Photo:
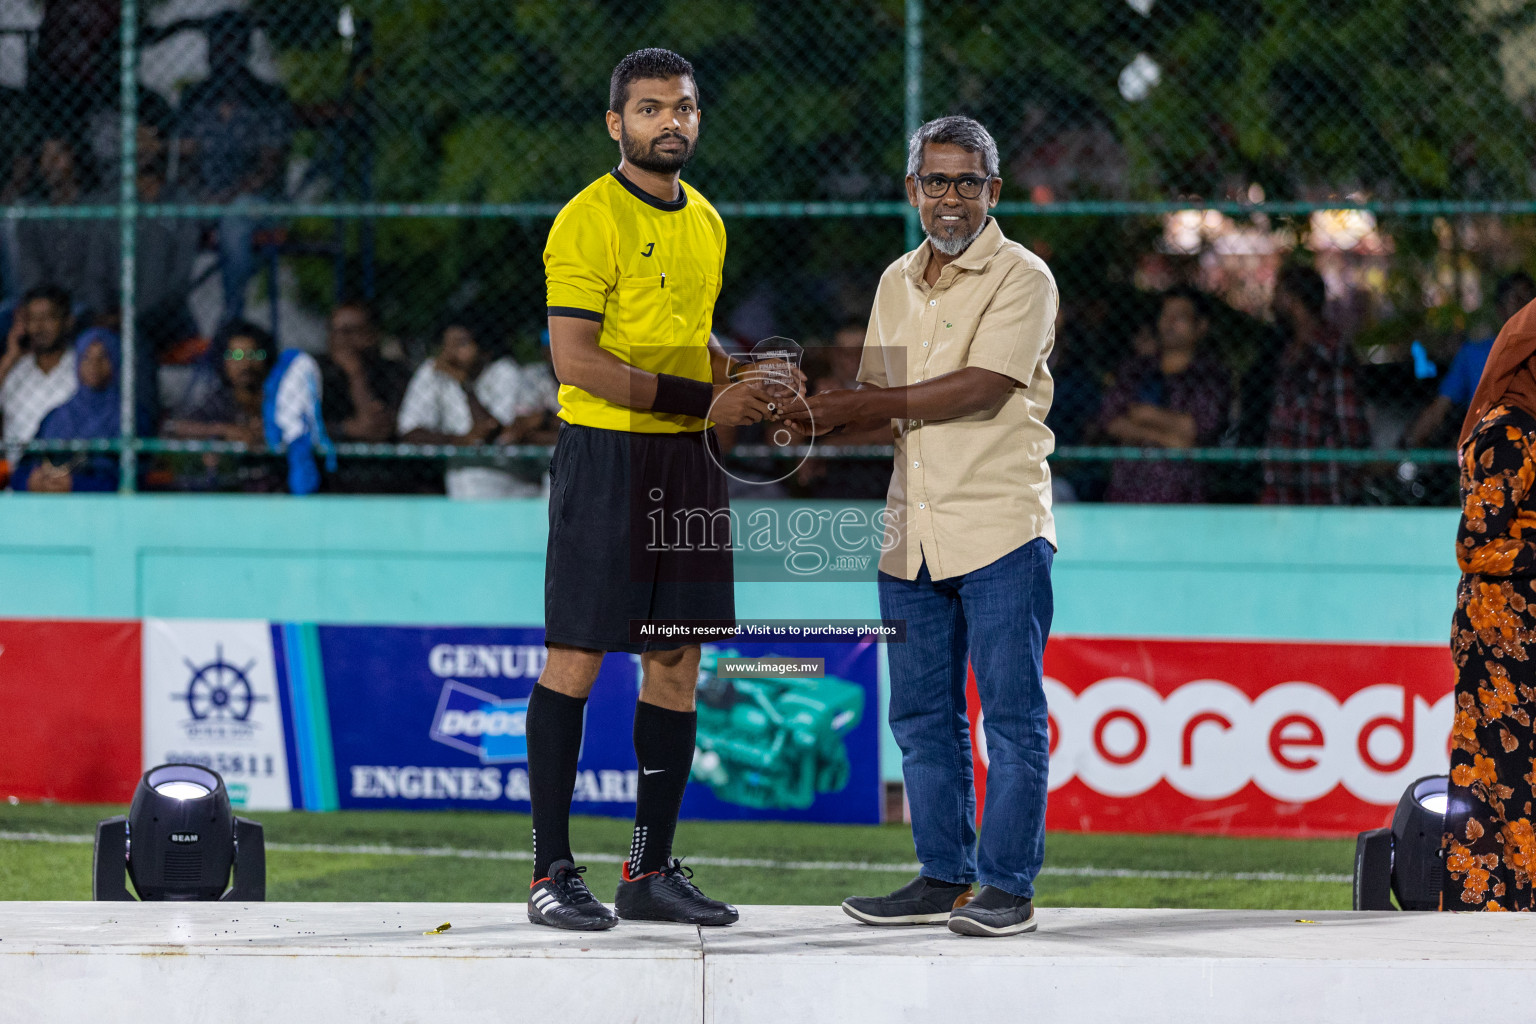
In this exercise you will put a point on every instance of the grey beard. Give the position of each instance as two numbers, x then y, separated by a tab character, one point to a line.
955	246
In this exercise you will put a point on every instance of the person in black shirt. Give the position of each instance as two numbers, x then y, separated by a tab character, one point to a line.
362	389
361	392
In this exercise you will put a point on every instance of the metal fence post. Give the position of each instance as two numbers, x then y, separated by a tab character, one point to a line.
127	214
913	119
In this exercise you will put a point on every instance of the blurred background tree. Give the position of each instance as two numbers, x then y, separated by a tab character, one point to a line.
1190	100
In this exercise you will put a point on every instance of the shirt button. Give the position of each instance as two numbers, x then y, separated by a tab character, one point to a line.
925	344
933	302
922	504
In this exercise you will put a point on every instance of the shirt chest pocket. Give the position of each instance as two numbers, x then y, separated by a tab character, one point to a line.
644	314
674	308
946	347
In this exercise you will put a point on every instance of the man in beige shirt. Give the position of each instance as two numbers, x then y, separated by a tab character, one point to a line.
955	360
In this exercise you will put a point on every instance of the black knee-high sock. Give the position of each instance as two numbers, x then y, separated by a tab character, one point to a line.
554	743
664	748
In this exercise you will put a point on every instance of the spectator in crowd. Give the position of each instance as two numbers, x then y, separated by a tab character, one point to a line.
56	252
1315	403
463	397
1244	481
264	397
1079	390
73	76
15	173
362	389
1074	411
1512	294
846	479
1177	398
1144	341
37	370
166	249
538	401
842	366
237	128
93	412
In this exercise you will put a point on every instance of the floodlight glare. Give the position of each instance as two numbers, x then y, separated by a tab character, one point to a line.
1405	861
181	790
1435	803
180	841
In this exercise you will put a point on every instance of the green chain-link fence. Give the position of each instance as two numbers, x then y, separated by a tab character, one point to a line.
354	177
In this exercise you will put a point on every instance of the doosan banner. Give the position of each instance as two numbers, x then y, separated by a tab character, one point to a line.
449	729
1239	738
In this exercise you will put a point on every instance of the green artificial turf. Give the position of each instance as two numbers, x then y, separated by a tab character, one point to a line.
39	870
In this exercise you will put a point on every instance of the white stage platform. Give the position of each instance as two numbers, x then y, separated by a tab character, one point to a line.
287	963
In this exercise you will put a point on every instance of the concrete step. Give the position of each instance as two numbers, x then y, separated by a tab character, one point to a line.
170	963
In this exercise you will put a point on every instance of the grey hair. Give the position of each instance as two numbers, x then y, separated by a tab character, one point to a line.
955	130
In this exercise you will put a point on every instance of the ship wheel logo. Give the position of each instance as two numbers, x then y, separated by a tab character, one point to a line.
220	691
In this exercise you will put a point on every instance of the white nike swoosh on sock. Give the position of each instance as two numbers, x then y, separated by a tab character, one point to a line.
651	771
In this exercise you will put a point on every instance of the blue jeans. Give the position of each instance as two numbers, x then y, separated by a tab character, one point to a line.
998	618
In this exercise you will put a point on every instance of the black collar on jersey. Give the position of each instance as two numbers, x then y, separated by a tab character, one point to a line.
645	197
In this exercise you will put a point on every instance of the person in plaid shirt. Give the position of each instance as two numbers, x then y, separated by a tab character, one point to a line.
1316	405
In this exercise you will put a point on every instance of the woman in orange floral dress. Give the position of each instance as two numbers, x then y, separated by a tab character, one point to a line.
1489	845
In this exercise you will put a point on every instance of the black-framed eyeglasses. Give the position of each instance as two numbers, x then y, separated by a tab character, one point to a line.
936	186
240	355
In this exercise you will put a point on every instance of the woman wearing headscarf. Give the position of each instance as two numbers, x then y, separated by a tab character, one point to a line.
93	413
262	396
1489	848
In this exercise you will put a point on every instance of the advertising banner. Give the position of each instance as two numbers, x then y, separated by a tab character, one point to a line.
69	707
1236	738
211	697
429	717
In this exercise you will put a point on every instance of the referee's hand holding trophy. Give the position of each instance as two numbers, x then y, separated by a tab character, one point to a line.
763	391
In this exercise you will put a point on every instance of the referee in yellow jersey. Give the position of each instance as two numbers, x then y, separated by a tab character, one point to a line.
633	268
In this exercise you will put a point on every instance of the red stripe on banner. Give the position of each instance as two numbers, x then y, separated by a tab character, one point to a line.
70	710
1236	737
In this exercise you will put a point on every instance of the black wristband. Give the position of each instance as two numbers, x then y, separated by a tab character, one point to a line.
683	395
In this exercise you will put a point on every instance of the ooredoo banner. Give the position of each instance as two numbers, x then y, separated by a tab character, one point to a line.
1241	738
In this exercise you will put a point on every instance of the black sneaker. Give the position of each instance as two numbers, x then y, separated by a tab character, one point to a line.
993	912
920	901
669	895
563	901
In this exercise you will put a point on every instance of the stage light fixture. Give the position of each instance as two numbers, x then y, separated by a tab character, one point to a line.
1405	861
180	841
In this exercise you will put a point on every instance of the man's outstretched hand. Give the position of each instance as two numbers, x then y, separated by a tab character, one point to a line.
825	411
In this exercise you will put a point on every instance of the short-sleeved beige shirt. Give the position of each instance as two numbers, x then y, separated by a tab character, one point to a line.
967	491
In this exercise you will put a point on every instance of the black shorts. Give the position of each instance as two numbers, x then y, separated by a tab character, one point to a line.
639	530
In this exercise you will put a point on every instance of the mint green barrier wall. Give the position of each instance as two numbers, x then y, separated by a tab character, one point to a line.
1312	574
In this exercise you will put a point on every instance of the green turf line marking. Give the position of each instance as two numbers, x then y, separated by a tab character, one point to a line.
1050	870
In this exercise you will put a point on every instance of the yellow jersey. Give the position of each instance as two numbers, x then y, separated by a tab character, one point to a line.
649	271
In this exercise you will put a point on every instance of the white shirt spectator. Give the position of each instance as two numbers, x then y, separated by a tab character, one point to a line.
435	401
29	394
537	391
